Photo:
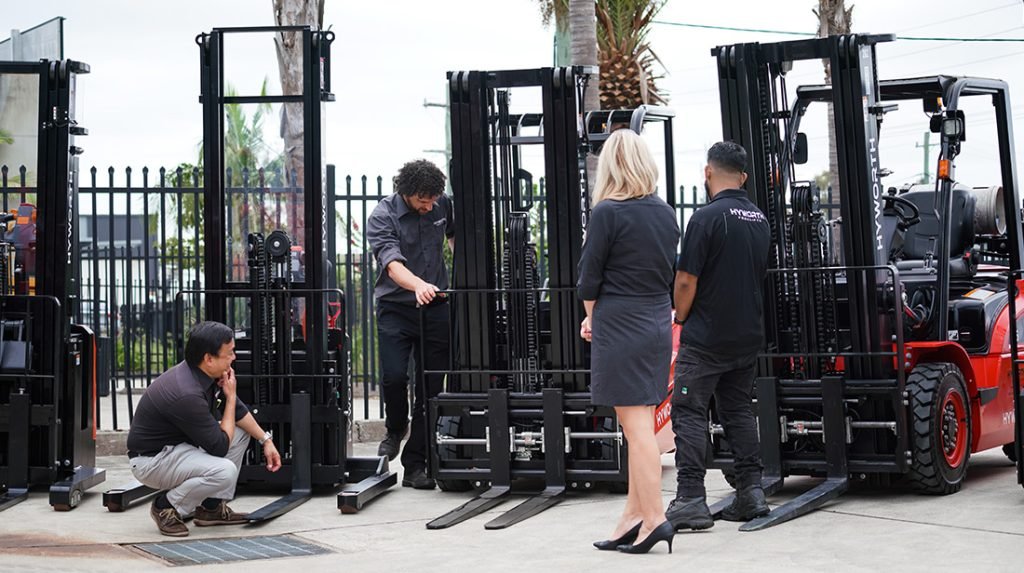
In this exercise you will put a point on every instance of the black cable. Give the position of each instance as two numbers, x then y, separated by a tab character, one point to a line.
811	34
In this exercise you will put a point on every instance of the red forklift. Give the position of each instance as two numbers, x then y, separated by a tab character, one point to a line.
889	345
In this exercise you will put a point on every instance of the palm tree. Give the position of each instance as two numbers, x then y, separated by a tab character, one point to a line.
244	145
558	10
289	62
833	18
583	42
617	30
627	60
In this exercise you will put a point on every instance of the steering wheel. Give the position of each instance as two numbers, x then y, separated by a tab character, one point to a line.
907	212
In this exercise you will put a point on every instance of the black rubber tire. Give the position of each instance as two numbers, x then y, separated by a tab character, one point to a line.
1011	452
927	387
618	487
456	485
449	426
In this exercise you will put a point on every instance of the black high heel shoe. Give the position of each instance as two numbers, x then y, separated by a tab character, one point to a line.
627	537
664	532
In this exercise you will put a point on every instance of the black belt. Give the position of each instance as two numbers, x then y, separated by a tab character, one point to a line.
132	454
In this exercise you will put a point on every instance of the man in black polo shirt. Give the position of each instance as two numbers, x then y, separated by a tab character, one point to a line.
407	232
179	441
718	300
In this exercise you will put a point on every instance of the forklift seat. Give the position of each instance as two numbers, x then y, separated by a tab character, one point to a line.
923	238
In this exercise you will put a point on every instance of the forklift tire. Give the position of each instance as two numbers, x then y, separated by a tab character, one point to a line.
454	485
1011	452
940	419
451	426
618	487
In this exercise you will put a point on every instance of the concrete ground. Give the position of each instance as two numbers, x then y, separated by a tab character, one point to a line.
979	529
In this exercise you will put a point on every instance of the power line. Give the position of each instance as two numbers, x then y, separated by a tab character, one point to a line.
960	17
950	45
729	28
809	34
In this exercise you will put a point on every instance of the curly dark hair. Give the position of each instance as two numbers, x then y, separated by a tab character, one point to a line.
419	177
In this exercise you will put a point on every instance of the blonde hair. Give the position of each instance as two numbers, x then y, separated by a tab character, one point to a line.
625	168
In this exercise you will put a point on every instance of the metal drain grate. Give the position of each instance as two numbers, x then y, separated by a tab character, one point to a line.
204	551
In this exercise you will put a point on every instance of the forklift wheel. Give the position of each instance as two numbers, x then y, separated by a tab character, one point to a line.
1010	451
618	487
940	416
454	485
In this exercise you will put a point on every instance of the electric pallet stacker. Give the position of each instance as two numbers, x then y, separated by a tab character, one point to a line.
516	403
47	363
889	339
292	351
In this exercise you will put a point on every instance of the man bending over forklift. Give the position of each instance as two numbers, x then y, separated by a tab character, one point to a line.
177	443
718	299
407	232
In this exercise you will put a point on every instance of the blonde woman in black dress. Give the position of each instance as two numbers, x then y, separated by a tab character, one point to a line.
625	281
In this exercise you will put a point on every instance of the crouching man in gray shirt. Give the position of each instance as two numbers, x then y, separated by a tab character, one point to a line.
180	442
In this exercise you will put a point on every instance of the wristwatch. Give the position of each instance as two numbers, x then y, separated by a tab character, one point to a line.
676	320
267	436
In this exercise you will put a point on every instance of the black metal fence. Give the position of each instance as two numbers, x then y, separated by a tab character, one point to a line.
141	244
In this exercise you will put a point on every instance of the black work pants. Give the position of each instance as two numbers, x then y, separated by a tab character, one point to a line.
399	336
730	381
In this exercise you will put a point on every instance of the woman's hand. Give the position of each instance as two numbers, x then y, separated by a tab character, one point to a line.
585	329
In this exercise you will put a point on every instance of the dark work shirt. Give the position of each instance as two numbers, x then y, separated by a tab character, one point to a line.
180	406
397	233
629	249
726	247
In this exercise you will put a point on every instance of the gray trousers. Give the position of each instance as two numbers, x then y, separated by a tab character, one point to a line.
190	475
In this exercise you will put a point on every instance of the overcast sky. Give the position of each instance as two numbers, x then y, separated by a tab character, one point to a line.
140	101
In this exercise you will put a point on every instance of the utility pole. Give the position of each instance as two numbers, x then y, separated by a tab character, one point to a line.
447	151
926	176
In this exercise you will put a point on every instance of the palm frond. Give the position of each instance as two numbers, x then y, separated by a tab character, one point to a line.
628	75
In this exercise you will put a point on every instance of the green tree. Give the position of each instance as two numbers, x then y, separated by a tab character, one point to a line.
245	144
557	11
628	76
613	35
246	151
188	215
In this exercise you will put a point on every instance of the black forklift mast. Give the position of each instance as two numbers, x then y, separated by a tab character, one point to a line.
47	363
516	402
756	114
292	356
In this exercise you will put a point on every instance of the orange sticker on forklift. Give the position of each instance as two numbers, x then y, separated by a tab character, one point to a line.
979	294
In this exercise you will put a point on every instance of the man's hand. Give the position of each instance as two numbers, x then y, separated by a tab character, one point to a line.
425	292
271	454
585	329
228	384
